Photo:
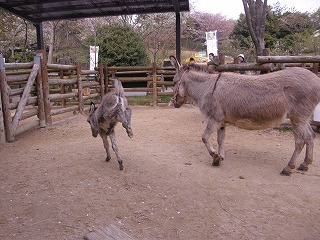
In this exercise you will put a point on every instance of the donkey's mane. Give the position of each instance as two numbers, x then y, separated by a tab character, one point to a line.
196	67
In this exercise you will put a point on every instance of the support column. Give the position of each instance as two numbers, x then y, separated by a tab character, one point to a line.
178	37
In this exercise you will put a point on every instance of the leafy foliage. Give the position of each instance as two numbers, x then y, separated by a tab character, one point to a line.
120	46
287	32
17	38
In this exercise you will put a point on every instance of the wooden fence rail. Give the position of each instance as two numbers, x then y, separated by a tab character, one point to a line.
33	93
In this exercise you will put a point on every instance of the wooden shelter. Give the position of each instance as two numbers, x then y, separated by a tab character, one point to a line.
50	10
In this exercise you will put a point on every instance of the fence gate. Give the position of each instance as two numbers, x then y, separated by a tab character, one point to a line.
9	124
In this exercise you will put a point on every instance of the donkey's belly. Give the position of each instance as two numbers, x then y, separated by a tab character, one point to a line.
108	124
251	124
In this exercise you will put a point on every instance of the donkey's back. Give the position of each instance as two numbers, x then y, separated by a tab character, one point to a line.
263	101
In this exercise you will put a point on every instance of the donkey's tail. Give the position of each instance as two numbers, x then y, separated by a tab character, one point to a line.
118	87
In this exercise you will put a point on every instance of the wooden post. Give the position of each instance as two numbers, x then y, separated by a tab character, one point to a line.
5	103
265	52
45	87
41	112
222	58
154	85
62	90
26	93
79	80
106	83
315	68
2	132
101	78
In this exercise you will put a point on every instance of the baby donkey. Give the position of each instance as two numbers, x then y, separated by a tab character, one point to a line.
103	119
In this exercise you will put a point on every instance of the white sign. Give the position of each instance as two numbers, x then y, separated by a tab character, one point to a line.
94	50
212	43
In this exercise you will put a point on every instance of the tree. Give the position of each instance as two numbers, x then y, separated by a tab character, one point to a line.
157	30
256	13
53	26
17	37
119	45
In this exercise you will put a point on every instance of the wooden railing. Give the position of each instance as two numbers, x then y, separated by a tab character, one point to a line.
33	93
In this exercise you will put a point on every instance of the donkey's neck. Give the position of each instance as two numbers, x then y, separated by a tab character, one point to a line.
198	85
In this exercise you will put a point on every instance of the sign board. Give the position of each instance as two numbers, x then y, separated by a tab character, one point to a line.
212	43
94	50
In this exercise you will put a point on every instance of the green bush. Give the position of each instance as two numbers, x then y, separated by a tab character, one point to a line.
120	46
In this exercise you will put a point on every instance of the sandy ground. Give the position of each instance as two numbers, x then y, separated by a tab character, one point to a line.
55	184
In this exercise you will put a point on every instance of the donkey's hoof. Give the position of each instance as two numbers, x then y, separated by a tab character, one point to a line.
216	163
285	173
121	167
108	159
129	132
302	168
217	160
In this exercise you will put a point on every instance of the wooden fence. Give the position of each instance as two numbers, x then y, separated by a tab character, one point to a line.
33	93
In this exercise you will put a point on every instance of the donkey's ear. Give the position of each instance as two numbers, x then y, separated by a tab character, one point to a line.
174	62
92	108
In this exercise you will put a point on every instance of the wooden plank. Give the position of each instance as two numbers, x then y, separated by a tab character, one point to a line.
79	78
64	110
130	68
111	232
16	79
2	132
101	78
45	87
288	59
245	66
62	96
12	66
154	85
25	95
30	101
61	67
41	111
134	79
27	126
54	81
5	102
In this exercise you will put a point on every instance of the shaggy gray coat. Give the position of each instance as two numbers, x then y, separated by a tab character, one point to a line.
252	102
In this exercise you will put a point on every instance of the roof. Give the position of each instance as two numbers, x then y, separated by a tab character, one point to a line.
38	11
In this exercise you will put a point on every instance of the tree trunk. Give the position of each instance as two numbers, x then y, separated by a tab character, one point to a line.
53	25
256	13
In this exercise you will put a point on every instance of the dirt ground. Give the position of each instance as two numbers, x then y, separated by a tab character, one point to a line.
55	183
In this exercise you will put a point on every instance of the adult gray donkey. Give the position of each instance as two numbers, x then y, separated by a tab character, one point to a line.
103	119
251	102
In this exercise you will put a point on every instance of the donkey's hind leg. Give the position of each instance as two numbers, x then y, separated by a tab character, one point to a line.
299	134
125	118
309	137
205	139
115	148
104	137
127	114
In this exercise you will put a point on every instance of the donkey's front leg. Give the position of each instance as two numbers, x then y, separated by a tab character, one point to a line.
125	118
205	139
115	148
221	132
104	137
